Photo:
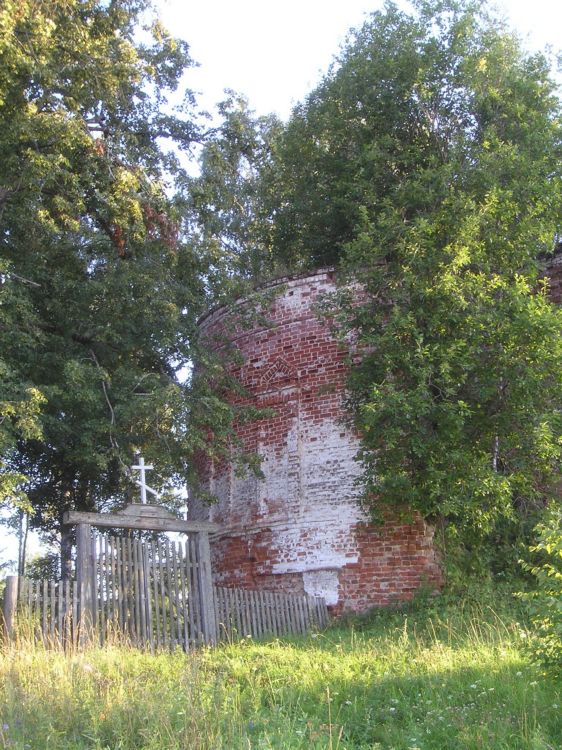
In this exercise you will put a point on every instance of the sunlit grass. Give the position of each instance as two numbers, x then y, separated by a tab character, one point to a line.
440	677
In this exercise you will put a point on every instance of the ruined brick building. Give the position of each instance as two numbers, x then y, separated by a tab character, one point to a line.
300	528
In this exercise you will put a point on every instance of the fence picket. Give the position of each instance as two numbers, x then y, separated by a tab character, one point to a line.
173	593
183	592
162	591
262	613
190	593
194	557
154	595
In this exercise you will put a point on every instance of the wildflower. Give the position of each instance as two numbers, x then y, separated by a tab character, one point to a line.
5	727
392	709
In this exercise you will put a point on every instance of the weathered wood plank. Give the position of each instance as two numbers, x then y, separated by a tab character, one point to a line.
163	601
232	613
183	591
100	586
264	624
280	615
60	615
206	587
75	623
255	615
108	587
10	603
44	601
139	582
120	577
132	598
220	611
84	575
173	577
148	595
155	594
273	609
53	610
137	521
195	590
190	594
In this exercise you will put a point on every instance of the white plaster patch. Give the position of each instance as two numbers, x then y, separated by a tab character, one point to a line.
324	583
328	543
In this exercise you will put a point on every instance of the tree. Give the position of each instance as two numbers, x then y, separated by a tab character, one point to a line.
100	289
228	202
427	166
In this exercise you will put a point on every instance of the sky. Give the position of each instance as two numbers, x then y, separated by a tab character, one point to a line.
275	52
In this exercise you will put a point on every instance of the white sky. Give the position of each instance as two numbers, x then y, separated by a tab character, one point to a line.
275	52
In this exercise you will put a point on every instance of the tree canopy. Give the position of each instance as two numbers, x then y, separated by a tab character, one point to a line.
100	291
426	166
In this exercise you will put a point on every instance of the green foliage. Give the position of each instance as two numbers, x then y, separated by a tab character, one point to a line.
435	105
228	202
19	411
545	603
100	290
427	165
43	567
448	676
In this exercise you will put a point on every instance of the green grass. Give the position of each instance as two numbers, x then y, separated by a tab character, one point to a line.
443	675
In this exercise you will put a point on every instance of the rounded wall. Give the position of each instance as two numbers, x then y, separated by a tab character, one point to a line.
300	528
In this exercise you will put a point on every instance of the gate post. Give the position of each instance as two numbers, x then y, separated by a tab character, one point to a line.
10	603
85	579
208	614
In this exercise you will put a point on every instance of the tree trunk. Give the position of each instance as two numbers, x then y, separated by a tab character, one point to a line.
66	553
23	531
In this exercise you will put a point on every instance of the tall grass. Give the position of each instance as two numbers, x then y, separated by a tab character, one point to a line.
451	675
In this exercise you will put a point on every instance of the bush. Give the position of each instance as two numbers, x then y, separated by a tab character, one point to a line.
545	603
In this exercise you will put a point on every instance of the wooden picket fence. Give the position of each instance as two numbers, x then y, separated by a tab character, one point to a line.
149	596
244	612
45	611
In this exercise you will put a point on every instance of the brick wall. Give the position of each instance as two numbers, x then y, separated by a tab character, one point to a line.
300	529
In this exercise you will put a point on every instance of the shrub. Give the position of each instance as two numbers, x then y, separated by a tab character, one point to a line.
545	602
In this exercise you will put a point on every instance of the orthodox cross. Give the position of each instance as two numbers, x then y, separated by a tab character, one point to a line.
142	468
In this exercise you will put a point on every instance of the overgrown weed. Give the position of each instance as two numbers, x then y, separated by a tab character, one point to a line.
435	675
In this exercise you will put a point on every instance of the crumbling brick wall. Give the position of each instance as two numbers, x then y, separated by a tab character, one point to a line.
301	529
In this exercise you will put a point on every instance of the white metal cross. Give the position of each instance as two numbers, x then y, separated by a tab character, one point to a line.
142	469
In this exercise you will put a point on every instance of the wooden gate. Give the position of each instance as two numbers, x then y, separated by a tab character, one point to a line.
153	594
150	592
